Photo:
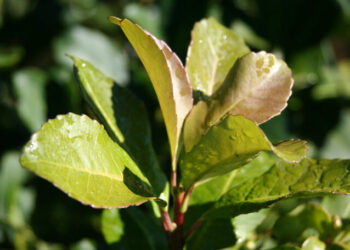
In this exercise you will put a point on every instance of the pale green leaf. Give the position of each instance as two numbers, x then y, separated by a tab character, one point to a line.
112	225
29	85
125	118
284	180
214	49
168	76
229	145
257	87
313	243
77	155
94	47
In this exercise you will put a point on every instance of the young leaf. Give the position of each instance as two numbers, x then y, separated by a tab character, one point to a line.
257	87
229	145
214	49
125	118
168	76
284	180
77	155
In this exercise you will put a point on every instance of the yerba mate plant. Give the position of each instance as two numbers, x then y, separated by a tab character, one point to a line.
212	109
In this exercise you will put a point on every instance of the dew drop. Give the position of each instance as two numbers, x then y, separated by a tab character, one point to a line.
83	64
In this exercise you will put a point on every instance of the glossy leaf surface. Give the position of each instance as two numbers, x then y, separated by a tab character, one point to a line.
125	118
77	155
214	49
257	87
168	76
230	145
284	180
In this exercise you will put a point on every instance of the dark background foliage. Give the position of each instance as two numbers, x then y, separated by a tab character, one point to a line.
37	83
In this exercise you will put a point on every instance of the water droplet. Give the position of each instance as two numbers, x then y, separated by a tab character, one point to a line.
200	41
83	64
225	37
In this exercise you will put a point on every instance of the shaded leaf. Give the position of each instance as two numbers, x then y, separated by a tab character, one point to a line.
214	49
10	56
229	145
29	85
212	235
293	227
125	118
307	178
167	75
119	226
257	87
77	155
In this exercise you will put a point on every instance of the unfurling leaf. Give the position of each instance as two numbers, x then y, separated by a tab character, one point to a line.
77	155
257	87
124	116
229	145
168	76
214	49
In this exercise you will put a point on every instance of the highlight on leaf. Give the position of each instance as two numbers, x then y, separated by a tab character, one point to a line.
77	155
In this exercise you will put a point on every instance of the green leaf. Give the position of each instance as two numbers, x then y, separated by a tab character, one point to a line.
168	76
284	180
229	145
216	234
244	224
313	243
214	49
119	226
125	118
257	87
10	56
94	47
337	204
29	85
77	155
112	225
310	217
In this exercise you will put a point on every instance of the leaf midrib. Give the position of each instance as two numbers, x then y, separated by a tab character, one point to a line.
88	171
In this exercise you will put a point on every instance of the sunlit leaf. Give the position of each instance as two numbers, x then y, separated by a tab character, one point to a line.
257	87
77	155
167	75
313	243
284	180
229	145
125	118
214	49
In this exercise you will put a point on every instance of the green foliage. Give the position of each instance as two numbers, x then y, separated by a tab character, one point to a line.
214	139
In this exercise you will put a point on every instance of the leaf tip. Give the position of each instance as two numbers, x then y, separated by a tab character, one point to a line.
115	20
